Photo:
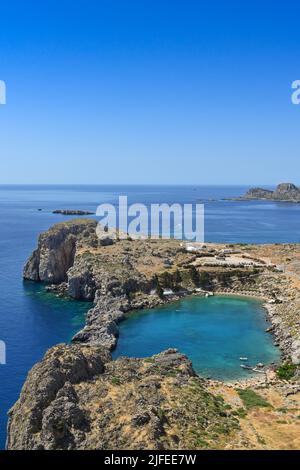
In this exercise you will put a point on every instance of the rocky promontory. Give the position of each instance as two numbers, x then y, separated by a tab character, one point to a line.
78	398
82	260
287	192
56	251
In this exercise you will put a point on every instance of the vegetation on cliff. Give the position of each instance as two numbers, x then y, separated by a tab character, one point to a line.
77	398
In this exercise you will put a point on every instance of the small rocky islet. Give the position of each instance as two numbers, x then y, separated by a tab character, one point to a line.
72	212
284	192
77	397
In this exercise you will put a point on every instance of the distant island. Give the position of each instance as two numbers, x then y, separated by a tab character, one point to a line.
72	212
286	192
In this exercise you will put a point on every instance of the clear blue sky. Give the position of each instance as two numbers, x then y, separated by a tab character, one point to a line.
149	91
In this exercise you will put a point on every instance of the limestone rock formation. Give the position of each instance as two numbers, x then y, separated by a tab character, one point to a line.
258	193
77	398
283	192
48	405
287	190
56	250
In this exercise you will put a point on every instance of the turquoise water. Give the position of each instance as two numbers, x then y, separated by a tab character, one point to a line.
214	332
32	321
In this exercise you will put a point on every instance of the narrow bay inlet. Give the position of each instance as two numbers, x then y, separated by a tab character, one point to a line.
178	399
223	336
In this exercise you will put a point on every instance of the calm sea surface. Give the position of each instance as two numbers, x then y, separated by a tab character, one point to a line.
214	332
31	321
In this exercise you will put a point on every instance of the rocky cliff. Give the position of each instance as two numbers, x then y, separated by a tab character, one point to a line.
77	398
56	250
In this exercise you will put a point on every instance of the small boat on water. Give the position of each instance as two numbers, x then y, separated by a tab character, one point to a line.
257	368
243	358
244	366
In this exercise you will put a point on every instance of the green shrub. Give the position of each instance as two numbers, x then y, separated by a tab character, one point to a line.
194	275
166	280
286	371
251	399
161	414
159	291
203	279
177	278
240	412
115	381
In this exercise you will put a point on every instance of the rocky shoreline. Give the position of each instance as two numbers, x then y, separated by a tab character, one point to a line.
57	407
102	321
74	259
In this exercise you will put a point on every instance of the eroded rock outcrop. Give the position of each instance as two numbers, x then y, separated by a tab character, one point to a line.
56	250
102	322
283	192
258	193
77	398
48	409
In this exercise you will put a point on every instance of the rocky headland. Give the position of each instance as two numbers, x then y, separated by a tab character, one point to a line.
77	397
285	192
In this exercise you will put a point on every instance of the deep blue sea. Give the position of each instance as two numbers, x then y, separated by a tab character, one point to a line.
214	332
31	321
